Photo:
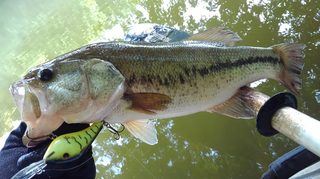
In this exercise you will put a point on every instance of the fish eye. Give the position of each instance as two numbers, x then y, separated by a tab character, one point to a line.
45	75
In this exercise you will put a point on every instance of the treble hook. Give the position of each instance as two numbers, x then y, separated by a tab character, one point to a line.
113	130
39	139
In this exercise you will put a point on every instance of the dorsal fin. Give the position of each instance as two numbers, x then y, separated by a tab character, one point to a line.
217	34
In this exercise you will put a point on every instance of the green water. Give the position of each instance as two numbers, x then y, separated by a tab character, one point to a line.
202	145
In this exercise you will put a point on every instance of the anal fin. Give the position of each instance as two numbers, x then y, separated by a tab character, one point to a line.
147	103
241	105
143	129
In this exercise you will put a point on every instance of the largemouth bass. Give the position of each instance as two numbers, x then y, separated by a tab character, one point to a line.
132	82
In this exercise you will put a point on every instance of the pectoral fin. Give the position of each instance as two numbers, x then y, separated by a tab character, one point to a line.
147	103
217	34
241	105
143	129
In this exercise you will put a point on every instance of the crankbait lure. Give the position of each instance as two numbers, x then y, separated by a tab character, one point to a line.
66	148
69	147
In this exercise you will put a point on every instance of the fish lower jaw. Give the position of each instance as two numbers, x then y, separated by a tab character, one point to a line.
38	130
29	142
31	139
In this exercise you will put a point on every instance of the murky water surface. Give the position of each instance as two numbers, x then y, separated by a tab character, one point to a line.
202	145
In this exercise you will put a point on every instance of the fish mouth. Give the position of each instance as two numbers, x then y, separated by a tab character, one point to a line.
35	111
17	91
26	101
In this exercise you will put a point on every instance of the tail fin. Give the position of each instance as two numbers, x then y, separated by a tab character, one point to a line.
291	53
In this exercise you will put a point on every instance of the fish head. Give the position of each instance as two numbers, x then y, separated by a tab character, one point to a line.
70	90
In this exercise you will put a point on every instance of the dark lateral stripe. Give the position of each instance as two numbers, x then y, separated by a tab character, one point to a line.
159	80
203	71
192	70
150	80
216	67
132	79
181	79
252	60
186	71
143	79
166	82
